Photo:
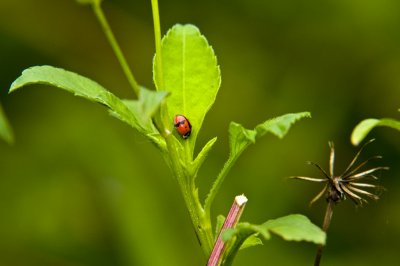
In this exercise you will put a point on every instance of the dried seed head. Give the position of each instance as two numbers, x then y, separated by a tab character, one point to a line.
346	185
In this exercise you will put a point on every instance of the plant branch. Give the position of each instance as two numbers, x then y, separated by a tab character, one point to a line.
218	183
157	38
115	46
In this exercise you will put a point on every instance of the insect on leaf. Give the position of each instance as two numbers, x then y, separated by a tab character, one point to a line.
190	72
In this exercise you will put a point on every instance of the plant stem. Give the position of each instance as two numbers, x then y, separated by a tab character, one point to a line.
115	46
202	226
230	222
217	184
157	38
325	226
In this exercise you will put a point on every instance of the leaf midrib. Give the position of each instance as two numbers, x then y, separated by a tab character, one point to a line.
184	72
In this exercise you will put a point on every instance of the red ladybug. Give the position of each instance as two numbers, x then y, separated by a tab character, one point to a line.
182	126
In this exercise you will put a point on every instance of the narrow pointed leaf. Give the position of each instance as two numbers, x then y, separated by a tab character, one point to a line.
365	126
190	72
5	129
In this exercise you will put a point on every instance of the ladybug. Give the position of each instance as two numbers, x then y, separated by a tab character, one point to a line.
182	126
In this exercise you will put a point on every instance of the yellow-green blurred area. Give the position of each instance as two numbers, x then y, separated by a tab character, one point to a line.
80	188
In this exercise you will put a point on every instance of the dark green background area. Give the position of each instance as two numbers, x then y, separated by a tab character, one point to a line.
81	188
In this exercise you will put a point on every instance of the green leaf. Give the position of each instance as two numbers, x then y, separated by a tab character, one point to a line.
251	241
240	138
135	113
144	108
365	126
190	72
219	224
5	129
279	126
294	227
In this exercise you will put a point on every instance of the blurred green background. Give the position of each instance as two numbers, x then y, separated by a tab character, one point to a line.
81	188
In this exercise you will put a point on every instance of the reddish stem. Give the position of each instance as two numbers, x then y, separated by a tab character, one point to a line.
230	222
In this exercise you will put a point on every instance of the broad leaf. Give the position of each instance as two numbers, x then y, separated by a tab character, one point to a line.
190	72
293	227
5	129
240	138
365	126
135	113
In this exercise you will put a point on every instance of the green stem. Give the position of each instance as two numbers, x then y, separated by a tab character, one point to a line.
217	184
202	226
115	46
157	38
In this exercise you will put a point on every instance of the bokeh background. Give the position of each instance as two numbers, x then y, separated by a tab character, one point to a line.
81	188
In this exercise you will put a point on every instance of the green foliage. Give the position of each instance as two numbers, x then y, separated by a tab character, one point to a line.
365	126
5	129
136	113
190	72
86	2
185	69
240	138
294	227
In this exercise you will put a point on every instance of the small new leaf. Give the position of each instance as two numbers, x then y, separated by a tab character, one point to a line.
190	72
365	126
251	241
